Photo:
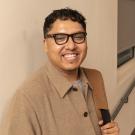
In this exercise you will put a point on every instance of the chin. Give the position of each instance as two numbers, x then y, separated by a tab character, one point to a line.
71	67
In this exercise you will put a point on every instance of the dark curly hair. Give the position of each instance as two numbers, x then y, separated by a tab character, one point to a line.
63	14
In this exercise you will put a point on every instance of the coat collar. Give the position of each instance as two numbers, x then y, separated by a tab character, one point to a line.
60	82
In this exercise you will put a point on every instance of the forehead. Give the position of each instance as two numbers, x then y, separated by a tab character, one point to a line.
65	26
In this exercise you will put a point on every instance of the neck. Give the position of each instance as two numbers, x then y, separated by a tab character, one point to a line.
71	75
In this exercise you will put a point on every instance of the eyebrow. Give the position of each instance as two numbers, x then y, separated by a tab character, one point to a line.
66	33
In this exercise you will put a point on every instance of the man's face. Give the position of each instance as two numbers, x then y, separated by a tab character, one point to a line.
70	55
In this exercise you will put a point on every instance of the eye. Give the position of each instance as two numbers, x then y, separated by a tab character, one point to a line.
60	37
79	36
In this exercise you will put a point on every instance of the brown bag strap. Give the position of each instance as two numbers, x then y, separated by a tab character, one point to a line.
99	96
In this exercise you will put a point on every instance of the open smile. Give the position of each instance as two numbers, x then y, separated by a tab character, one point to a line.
70	56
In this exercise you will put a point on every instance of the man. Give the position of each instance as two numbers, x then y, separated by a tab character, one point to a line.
61	98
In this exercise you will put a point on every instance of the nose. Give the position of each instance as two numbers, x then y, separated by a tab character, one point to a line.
70	44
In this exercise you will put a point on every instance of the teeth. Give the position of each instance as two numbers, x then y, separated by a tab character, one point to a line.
70	55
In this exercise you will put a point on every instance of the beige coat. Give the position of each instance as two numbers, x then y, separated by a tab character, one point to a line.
47	104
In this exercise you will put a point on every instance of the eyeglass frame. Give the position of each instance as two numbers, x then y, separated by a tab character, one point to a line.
68	35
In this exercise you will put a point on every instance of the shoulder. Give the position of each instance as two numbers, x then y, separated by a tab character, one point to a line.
25	105
91	72
35	80
95	77
34	87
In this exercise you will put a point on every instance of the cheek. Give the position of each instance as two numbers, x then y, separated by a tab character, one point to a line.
54	51
51	46
84	49
84	52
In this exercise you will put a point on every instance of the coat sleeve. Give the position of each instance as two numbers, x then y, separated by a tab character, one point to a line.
21	118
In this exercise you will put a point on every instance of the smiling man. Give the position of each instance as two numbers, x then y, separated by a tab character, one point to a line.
66	46
62	98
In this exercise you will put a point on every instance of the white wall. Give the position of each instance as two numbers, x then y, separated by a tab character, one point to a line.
103	43
20	44
21	41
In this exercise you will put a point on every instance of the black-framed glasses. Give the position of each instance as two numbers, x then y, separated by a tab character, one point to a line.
62	38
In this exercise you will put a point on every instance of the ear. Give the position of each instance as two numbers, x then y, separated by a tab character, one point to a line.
45	45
